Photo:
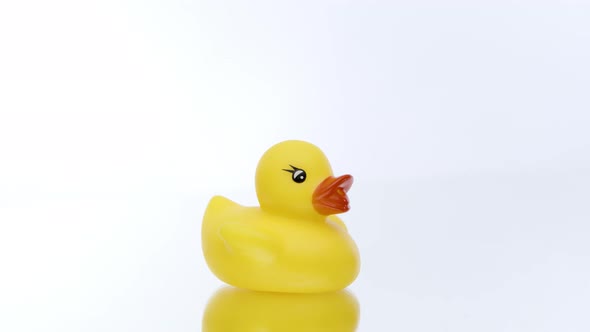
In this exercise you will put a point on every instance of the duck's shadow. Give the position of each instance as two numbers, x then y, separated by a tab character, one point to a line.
232	309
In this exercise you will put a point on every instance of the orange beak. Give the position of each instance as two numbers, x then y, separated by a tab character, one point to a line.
330	196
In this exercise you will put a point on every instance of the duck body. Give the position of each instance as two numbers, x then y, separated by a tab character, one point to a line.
249	248
293	242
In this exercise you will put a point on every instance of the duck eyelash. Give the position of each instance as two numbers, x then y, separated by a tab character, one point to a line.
291	170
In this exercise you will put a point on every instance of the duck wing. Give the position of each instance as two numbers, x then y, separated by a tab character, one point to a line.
241	236
249	242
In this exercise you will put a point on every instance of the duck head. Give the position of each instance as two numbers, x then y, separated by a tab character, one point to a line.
294	178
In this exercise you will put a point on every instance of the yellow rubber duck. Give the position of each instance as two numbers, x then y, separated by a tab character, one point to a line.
237	310
293	242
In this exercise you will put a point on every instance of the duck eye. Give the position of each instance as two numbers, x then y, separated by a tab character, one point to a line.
299	176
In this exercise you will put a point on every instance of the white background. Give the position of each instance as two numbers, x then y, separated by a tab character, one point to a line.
465	124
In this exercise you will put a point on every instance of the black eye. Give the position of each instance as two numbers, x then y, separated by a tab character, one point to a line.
297	174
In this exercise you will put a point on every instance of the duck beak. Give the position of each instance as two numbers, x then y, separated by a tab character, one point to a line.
330	196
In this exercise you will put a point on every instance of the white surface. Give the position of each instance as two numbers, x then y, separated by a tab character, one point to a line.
465	126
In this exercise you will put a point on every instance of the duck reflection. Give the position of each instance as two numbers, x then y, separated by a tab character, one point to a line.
232	309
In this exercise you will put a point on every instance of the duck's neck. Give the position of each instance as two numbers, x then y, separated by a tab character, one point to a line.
299	217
